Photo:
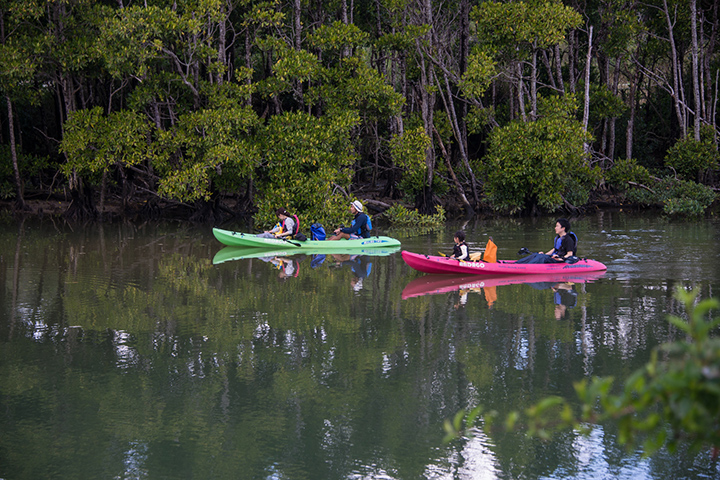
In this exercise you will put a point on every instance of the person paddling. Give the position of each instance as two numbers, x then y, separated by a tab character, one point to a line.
564	246
358	228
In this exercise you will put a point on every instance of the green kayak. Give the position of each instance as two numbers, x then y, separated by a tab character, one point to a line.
229	254
237	239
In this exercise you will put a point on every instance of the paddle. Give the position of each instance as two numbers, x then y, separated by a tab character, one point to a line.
443	255
290	242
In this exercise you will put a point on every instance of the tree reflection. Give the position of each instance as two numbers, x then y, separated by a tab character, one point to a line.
130	354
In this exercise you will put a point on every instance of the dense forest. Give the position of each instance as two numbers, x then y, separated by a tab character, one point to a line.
221	108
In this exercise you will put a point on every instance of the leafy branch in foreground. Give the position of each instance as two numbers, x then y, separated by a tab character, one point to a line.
667	402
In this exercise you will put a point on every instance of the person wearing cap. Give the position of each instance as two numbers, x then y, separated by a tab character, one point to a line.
359	226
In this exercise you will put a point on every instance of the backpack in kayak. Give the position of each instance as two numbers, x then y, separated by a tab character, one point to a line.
317	232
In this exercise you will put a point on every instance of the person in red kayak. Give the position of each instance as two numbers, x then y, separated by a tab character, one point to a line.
460	250
565	243
564	246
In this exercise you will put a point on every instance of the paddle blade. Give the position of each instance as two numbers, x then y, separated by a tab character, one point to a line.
490	255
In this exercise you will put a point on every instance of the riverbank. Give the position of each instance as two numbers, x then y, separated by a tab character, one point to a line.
228	207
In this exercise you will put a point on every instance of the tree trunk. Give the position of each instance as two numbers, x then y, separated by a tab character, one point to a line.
676	69
297	24
632	101
613	120
469	209
520	94
82	207
222	33
695	69
425	202
586	109
572	51
533	85
19	199
558	69
427	106
707	61
459	136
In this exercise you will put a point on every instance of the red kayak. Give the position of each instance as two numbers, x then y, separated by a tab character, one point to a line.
436	284
432	264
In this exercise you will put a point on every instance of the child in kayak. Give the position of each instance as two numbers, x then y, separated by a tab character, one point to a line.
460	250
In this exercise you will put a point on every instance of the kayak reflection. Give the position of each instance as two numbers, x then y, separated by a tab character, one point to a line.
288	263
562	285
228	254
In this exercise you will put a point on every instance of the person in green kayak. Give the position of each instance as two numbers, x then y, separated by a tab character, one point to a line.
359	228
285	228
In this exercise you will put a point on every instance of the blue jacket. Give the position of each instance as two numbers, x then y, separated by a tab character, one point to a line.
359	226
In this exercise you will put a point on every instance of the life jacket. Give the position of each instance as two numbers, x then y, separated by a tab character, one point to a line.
457	251
365	230
558	242
296	228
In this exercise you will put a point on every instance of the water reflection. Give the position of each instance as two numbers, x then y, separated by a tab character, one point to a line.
359	265
562	286
286	266
129	352
229	254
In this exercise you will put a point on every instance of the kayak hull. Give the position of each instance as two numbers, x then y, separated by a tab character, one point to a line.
438	284
237	239
445	265
228	254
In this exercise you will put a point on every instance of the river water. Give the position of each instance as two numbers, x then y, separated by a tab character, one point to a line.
126	352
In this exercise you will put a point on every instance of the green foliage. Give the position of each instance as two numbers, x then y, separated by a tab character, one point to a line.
539	161
479	74
627	170
94	142
673	400
408	152
603	103
691	159
337	36
678	197
478	119
296	65
399	215
213	144
681	391
538	22
306	165
353	85
29	165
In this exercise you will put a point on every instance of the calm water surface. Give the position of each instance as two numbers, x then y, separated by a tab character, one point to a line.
127	353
